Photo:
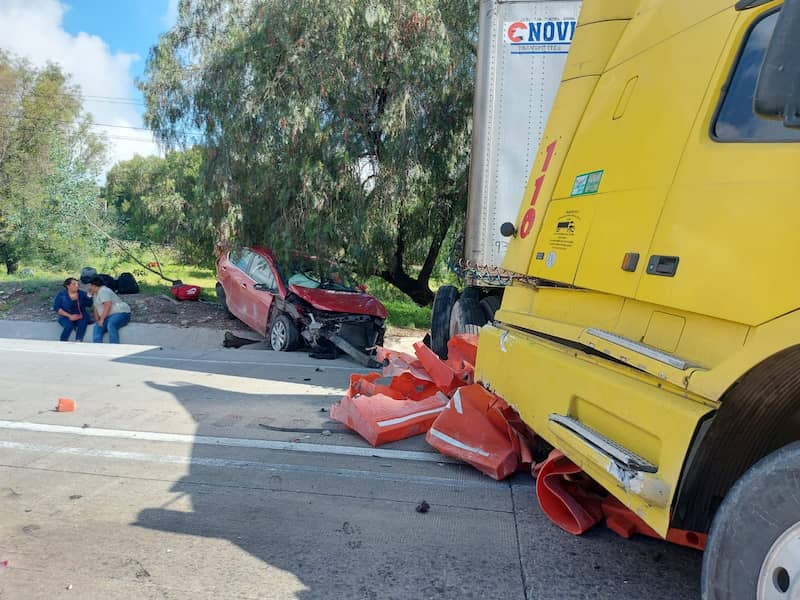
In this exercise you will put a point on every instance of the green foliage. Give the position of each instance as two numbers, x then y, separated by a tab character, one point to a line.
49	162
407	314
340	128
159	200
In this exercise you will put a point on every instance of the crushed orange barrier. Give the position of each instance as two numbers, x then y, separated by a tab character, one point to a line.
571	500
625	523
473	429
65	405
380	419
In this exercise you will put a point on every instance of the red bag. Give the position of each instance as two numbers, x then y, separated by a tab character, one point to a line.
186	292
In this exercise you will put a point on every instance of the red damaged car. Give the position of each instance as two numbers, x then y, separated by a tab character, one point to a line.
311	302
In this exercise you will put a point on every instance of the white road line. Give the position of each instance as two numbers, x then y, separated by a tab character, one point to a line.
250	464
228	442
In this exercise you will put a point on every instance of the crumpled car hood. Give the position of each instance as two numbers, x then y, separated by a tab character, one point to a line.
342	302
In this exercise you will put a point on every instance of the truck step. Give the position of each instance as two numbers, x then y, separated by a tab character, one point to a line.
622	456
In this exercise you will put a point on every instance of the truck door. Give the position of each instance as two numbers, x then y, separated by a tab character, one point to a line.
725	244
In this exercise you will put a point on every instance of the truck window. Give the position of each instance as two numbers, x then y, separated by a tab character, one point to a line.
736	120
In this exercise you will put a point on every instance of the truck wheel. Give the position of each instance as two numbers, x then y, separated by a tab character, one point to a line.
489	305
753	548
446	296
466	317
283	335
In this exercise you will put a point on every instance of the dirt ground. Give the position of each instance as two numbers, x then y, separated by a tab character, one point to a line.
24	301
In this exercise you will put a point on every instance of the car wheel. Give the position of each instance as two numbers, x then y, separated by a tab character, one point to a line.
221	297
283	335
753	548
443	302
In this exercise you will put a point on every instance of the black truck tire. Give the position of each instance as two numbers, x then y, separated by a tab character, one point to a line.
489	305
753	548
446	296
466	316
283	334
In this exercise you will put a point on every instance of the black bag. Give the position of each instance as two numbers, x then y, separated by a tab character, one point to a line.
108	281
126	284
87	274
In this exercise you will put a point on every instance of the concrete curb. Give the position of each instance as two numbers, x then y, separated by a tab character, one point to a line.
165	336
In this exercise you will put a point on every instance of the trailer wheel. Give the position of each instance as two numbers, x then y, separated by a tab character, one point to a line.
753	548
446	296
283	335
489	305
466	316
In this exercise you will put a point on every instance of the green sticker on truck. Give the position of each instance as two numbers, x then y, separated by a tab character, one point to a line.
587	183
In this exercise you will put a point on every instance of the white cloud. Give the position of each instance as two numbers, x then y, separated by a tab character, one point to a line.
33	29
169	19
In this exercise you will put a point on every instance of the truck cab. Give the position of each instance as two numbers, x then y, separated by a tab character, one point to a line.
654	333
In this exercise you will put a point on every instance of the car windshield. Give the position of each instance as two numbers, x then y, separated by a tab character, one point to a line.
310	272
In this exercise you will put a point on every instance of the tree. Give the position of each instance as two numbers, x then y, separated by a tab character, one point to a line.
49	163
337	127
158	200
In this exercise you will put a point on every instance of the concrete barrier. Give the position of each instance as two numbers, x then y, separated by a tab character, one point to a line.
166	336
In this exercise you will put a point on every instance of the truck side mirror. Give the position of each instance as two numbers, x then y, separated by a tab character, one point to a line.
508	230
777	93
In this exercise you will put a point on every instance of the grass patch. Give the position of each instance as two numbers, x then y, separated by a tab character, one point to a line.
407	314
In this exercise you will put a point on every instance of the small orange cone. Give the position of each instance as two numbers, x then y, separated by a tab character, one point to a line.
65	405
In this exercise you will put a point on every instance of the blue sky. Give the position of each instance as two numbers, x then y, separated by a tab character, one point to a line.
103	46
127	26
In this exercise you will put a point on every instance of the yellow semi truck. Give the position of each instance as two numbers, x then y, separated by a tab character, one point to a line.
654	333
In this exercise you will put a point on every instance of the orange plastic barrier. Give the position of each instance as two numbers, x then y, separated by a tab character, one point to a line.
571	500
380	419
473	429
65	405
625	523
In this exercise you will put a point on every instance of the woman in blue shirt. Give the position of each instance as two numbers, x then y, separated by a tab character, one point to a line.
70	304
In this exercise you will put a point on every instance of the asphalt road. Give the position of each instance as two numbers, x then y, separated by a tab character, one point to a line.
165	483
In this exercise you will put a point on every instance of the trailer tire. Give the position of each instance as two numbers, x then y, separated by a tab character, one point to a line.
446	296
753	548
466	317
489	305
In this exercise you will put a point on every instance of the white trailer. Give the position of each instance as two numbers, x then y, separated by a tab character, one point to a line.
522	48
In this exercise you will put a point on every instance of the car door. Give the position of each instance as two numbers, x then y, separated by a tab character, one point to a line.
232	274
257	301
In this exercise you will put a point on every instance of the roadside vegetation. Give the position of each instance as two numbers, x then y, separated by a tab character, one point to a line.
345	136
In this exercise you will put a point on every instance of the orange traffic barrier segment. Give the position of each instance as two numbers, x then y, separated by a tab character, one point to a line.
625	523
65	405
472	428
571	500
380	419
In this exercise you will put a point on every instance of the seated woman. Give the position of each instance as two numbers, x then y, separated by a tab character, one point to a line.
71	305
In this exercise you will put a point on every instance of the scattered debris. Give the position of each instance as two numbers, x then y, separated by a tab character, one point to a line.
65	405
75	497
318	370
69	587
321	430
323	410
306	378
423	507
85	426
326	432
235	341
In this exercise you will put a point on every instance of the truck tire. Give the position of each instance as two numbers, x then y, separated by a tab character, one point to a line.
753	548
446	296
489	305
466	317
283	334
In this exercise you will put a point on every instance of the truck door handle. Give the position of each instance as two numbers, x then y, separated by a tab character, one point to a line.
665	266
